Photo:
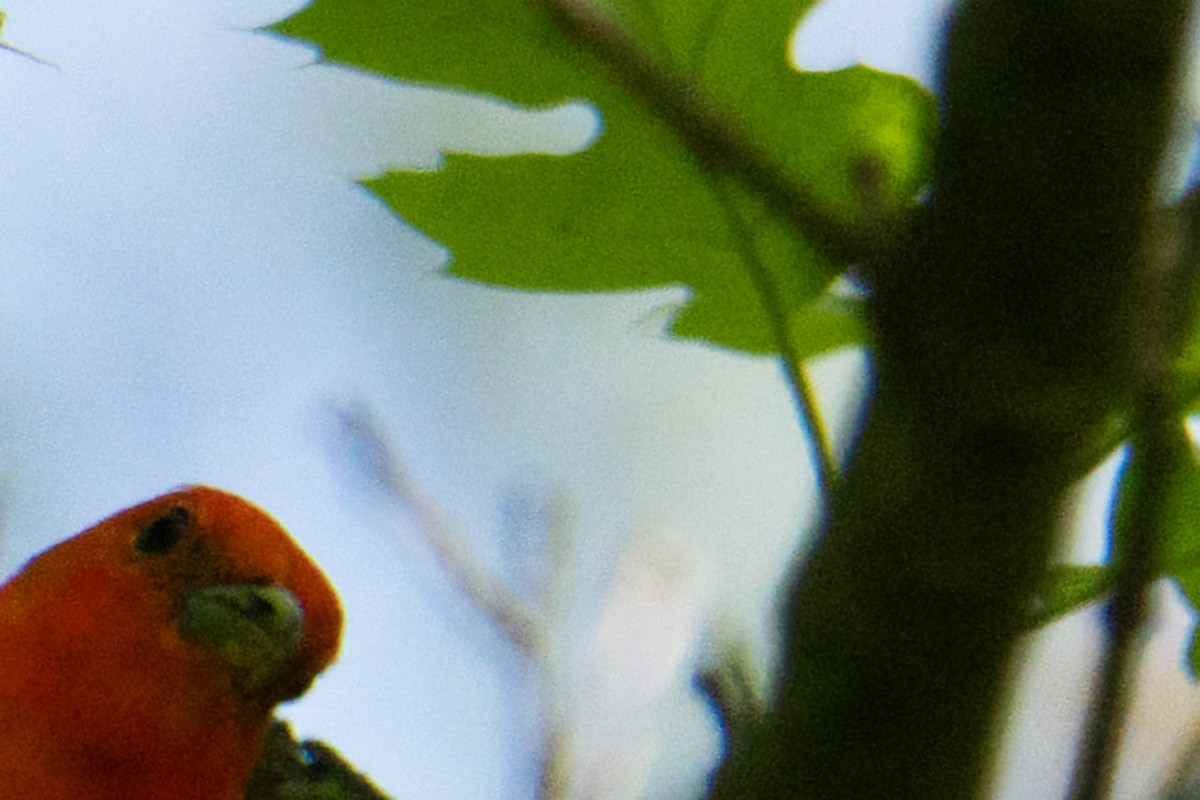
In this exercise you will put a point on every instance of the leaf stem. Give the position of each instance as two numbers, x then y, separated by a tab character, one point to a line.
771	299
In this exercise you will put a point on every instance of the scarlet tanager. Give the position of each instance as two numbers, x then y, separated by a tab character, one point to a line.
141	659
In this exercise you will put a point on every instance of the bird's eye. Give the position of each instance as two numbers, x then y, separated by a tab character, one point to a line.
162	534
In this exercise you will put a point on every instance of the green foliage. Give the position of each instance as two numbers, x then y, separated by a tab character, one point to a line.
1070	587
289	769
1180	555
639	208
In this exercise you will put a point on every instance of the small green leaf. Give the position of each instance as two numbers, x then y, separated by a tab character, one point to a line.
829	323
1179	545
1181	541
1067	588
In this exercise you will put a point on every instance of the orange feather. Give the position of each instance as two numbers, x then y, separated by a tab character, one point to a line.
142	658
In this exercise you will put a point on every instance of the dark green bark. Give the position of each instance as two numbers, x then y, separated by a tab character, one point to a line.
1003	337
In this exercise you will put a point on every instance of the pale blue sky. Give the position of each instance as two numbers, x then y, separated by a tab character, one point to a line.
187	277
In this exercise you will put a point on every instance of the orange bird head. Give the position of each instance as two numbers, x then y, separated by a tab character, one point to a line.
142	658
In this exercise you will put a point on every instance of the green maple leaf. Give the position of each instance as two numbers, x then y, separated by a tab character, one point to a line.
637	209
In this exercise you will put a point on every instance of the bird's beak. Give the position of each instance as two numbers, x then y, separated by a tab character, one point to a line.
254	629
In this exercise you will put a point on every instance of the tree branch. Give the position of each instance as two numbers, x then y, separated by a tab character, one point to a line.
1002	346
512	617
